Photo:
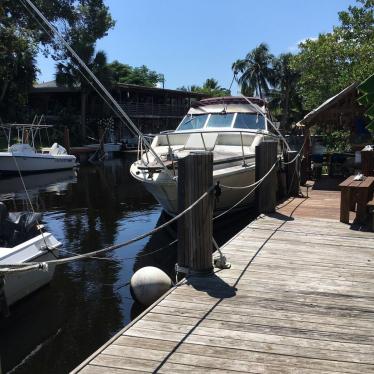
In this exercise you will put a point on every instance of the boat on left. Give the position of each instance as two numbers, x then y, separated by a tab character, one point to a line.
23	240
23	156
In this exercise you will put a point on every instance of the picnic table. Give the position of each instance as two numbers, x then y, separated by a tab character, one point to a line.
355	193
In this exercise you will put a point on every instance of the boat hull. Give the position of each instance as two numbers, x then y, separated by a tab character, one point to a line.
165	190
19	285
35	163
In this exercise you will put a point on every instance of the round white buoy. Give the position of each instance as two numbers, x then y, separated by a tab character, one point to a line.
148	284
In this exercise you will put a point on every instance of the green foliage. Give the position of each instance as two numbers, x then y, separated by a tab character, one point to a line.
256	71
335	60
142	76
20	39
367	99
210	88
91	22
338	141
285	102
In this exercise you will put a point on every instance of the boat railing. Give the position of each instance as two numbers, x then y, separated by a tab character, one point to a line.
206	138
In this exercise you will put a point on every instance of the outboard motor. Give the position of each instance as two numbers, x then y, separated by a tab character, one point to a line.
16	228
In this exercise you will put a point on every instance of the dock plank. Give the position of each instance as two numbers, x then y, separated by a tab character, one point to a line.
299	298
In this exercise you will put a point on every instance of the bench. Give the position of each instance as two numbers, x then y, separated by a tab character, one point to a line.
355	193
370	206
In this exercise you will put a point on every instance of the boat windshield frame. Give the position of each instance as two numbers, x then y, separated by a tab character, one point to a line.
230	127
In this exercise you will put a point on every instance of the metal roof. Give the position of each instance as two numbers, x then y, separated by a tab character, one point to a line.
327	104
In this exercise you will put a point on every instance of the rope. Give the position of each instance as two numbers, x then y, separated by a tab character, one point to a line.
298	154
30	202
248	194
44	265
250	185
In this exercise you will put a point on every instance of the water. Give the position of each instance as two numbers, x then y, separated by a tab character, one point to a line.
88	301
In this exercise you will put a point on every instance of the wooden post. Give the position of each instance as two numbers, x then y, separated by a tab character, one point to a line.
67	140
195	228
367	163
292	171
266	156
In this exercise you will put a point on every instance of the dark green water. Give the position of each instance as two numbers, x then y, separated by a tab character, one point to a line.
87	302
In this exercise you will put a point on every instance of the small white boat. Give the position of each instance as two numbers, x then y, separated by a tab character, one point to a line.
21	241
229	127
23	157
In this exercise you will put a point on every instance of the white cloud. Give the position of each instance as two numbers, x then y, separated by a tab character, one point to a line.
294	48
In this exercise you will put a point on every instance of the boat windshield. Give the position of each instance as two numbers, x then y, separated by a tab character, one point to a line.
220	120
193	122
249	121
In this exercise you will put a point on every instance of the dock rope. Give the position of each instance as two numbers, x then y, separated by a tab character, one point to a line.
14	268
254	185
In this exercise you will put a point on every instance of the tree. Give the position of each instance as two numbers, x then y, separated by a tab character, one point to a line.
335	60
210	88
285	101
142	76
256	71
92	22
21	37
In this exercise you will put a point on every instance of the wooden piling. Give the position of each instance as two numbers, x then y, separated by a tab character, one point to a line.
195	228
266	156
67	140
292	172
367	163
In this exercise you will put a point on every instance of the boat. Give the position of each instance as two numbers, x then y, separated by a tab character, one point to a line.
22	240
24	157
230	127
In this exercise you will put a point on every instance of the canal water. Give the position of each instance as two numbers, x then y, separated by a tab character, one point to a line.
88	301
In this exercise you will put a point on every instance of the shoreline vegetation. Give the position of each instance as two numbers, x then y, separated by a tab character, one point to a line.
292	83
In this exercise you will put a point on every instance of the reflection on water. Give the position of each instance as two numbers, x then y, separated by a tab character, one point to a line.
57	327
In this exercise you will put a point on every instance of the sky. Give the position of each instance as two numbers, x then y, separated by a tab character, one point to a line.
190	41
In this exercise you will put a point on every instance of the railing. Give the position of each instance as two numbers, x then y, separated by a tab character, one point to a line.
149	109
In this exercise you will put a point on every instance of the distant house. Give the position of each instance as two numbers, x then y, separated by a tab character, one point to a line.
152	109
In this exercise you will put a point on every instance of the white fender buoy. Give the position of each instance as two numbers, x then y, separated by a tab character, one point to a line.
148	284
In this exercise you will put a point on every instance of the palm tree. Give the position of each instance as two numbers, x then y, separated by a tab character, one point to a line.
285	99
70	74
256	71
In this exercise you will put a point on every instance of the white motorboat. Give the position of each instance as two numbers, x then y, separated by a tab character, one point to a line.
24	157
230	127
21	241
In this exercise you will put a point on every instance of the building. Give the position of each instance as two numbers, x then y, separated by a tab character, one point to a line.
151	109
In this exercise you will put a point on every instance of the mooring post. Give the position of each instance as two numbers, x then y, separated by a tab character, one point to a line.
195	228
67	140
266	157
4	310
292	171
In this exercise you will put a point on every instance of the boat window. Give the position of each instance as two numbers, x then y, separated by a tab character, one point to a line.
220	120
193	122
250	121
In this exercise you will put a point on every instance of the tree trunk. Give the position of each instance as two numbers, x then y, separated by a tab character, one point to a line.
3	90
259	87
83	115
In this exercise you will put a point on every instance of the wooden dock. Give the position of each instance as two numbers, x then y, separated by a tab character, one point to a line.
299	298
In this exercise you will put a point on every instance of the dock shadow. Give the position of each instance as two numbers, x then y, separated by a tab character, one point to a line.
280	216
213	285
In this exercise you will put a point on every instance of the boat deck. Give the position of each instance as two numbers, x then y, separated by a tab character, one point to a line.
299	298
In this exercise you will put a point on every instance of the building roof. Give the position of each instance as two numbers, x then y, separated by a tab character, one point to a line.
52	87
336	105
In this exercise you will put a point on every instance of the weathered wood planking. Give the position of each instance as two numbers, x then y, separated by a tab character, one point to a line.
299	298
